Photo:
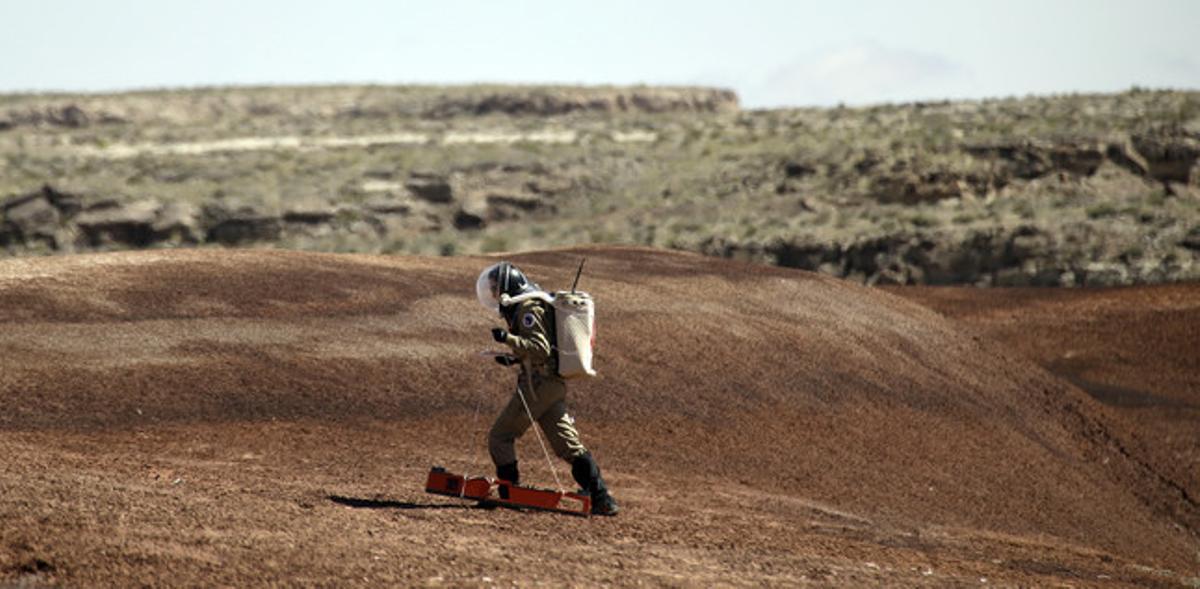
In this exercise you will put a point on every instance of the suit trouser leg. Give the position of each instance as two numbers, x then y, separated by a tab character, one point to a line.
548	405
559	428
509	425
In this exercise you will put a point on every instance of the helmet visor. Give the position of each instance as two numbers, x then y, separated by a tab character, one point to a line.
487	290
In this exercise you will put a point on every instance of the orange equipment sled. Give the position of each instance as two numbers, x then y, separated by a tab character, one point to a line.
488	491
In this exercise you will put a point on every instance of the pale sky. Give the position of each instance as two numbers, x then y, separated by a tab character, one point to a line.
772	52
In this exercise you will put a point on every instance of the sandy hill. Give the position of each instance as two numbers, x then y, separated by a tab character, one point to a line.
1133	349
213	416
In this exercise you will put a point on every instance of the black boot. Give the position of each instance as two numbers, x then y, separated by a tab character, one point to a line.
508	472
587	474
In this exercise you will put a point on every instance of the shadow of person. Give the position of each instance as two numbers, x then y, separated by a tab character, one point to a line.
359	503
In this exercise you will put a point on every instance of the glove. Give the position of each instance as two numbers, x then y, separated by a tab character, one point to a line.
506	360
499	334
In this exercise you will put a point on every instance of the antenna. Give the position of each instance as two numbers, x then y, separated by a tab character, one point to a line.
577	273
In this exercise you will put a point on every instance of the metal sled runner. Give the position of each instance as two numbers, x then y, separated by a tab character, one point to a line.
488	491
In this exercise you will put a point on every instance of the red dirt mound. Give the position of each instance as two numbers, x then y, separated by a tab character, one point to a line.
1136	350
236	416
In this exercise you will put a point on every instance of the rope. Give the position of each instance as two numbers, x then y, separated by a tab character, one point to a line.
471	445
536	430
532	424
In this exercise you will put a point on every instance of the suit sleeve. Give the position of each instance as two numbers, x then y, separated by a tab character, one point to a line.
530	341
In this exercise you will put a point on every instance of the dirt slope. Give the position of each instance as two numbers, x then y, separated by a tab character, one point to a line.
215	416
1136	350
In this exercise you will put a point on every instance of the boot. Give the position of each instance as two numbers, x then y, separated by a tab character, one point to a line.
587	474
508	472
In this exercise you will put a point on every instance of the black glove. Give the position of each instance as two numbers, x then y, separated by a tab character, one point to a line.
499	334
506	360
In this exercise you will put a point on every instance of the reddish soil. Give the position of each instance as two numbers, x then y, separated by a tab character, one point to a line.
212	417
1135	350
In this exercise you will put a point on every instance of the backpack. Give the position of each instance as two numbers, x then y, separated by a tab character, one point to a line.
572	327
575	333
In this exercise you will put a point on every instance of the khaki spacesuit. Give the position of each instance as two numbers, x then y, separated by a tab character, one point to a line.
543	390
530	338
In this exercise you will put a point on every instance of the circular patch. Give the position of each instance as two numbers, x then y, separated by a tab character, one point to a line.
527	320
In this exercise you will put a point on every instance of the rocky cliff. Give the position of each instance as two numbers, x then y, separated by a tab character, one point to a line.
1065	190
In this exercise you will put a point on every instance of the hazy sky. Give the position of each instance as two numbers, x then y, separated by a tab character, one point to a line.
773	52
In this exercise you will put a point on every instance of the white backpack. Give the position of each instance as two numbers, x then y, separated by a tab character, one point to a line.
575	325
574	318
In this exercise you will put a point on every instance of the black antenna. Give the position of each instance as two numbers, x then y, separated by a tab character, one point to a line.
577	273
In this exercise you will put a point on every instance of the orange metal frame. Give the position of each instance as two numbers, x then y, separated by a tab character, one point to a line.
505	494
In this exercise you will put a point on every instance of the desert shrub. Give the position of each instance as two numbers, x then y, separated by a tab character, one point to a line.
494	243
603	235
925	220
1101	211
1132	252
394	246
702	172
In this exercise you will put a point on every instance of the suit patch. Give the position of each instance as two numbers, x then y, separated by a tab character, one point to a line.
527	320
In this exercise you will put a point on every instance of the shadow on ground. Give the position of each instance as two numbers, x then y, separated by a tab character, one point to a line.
359	503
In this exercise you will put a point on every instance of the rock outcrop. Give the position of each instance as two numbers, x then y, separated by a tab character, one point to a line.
241	224
906	186
68	115
430	188
1074	189
31	218
1027	160
37	218
1170	153
468	200
1024	255
552	102
64	221
113	223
